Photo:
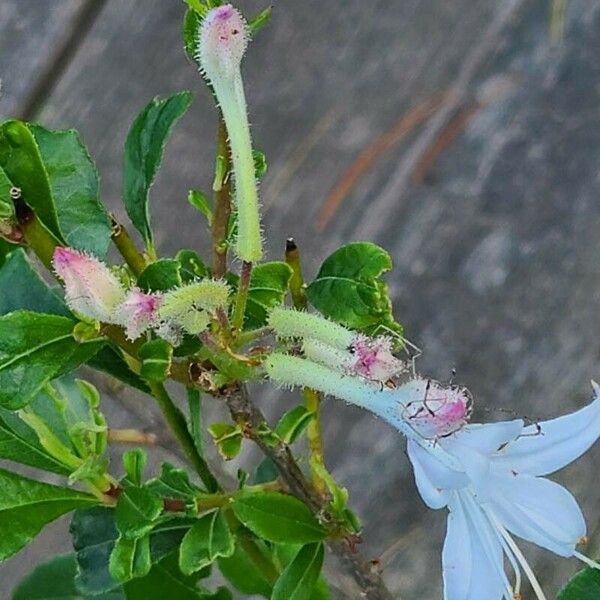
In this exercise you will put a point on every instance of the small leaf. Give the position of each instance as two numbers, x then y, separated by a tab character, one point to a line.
192	266
50	580
256	23
277	518
191	26
26	506
137	511
202	204
156	356
143	154
130	558
228	439
163	274
134	463
260	163
298	580
265	472
242	572
584	586
173	483
34	349
348	288
293	423
208	539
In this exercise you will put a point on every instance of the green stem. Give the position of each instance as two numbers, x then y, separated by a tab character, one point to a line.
127	248
38	238
261	562
239	310
178	425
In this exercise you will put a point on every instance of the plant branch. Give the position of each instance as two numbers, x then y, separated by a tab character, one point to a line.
178	425
244	411
292	258
222	203
126	247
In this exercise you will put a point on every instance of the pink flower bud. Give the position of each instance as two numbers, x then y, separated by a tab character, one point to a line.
372	359
442	411
138	313
90	287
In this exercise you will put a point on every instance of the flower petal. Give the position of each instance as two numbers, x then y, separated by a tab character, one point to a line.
472	560
539	511
560	442
485	438
433	479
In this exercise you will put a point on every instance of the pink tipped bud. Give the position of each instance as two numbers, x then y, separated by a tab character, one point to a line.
223	41
90	287
138	313
372	359
442	411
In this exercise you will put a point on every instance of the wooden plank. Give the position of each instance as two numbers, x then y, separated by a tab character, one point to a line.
496	261
30	31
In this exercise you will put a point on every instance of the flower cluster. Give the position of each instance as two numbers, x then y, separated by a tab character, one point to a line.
489	476
94	292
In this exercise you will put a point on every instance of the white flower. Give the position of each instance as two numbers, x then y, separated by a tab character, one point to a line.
491	479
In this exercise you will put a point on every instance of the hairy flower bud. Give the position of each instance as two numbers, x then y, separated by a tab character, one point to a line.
192	306
138	312
91	289
223	38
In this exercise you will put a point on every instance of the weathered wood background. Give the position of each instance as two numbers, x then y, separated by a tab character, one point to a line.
490	207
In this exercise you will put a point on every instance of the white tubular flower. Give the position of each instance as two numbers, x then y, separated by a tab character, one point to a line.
90	288
138	313
499	491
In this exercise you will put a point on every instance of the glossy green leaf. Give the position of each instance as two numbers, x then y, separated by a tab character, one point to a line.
173	483
73	180
156	356
201	203
242	572
163	274
278	518
192	266
23	289
19	443
134	463
34	349
143	154
293	423
6	250
228	439
298	580
26	506
584	586
137	511
260	163
130	558
348	288
207	540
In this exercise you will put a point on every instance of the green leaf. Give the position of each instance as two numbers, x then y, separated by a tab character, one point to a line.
208	539
260	163
137	511
298	580
293	423
134	463
130	558
242	572
94	536
228	439
5	250
156	356
73	183
7	207
50	580
34	349
265	472
143	154
21	160
26	506
191	25
201	203
256	23
160	275
268	286
110	360
173	483
194	399
23	289
348	288
192	266
277	518
19	443
584	586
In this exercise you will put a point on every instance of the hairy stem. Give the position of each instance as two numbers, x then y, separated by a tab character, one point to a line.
178	425
222	203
